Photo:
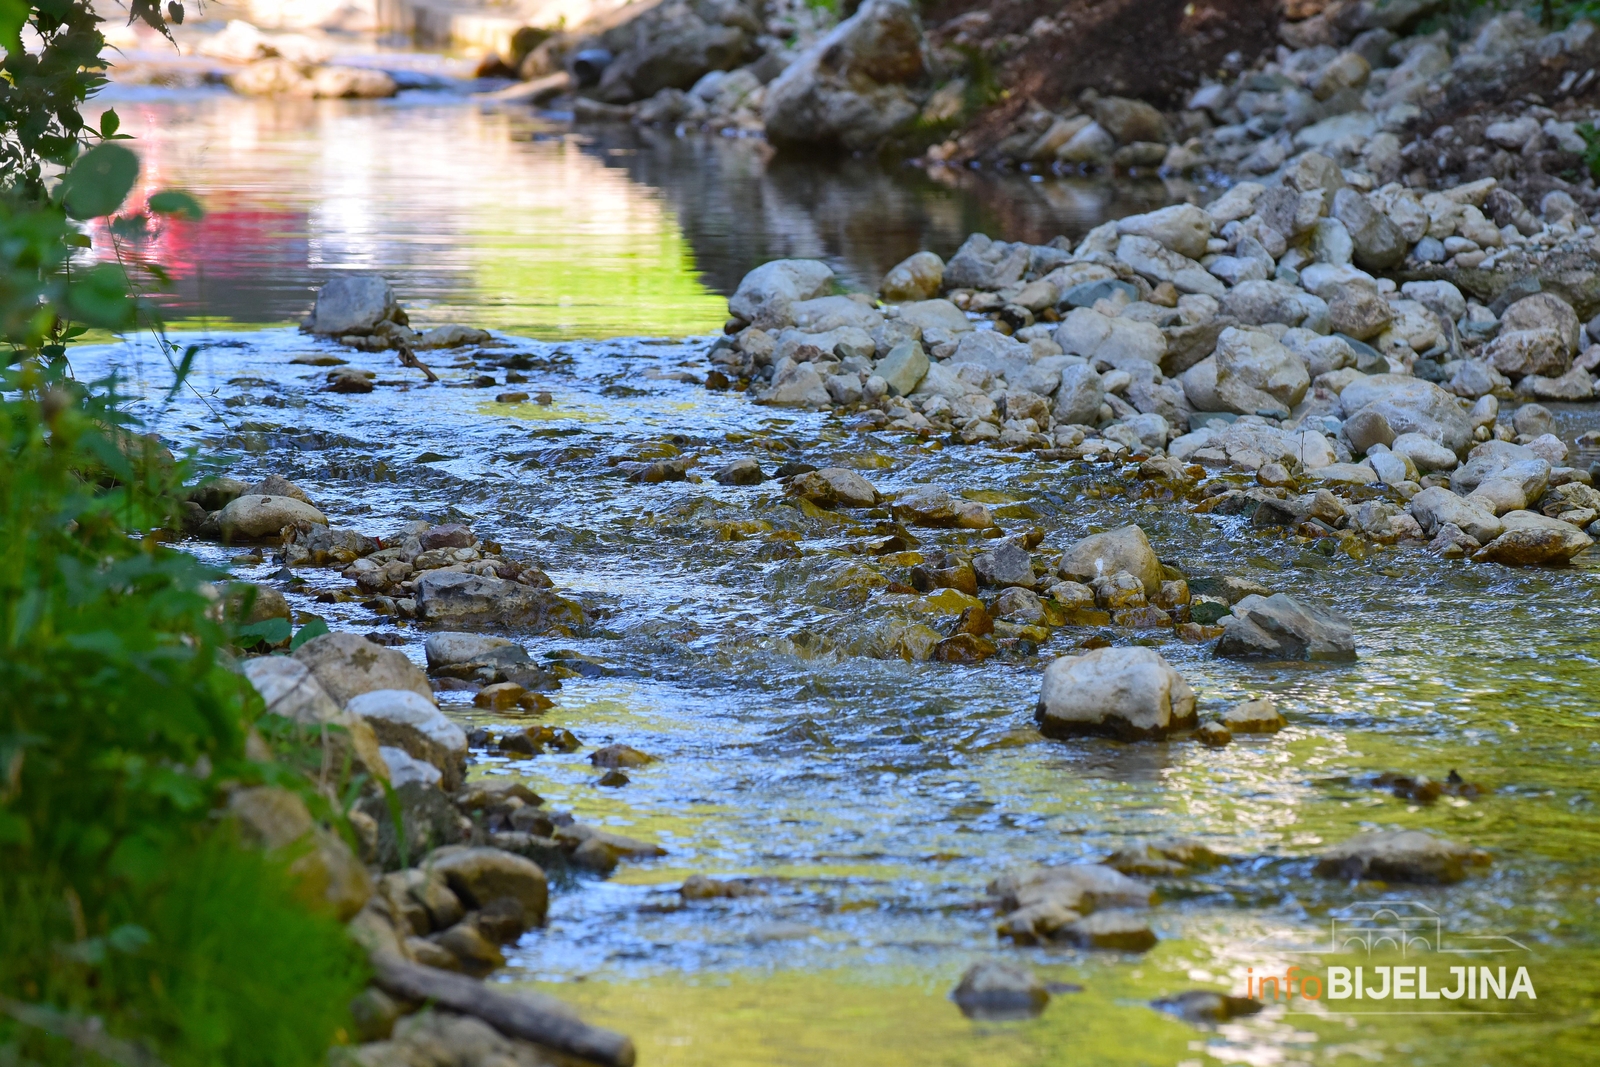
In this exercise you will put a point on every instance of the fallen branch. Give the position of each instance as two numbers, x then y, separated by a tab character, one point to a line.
529	1017
409	358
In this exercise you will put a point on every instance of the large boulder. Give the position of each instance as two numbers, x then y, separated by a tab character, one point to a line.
1128	693
347	665
1181	228
1532	540
354	304
481	876
1487	460
848	90
253	518
1519	353
769	291
673	45
797	385
983	263
1258	376
1257	303
411	723
452	598
997	353
1513	487
1400	856
1153	260
1545	311
1104	554
289	689
453	650
1437	507
324	871
1086	332
1279	627
834	487
919	276
1129	120
1411	405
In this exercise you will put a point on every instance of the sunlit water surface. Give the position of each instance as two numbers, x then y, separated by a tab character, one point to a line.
878	795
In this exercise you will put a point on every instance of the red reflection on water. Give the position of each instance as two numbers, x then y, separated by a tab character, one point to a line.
226	243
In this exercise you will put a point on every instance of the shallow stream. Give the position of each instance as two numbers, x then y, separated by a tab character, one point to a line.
878	796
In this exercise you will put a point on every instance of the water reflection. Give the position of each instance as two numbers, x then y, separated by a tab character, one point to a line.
497	217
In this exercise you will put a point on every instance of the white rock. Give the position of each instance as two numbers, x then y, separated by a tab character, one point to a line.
402	719
1426	453
1131	693
1086	332
1181	228
776	286
1156	263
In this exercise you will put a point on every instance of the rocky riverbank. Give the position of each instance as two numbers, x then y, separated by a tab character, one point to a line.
1179	347
461	868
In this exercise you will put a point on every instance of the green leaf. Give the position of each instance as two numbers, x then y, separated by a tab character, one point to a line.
99	181
173	202
99	296
268	631
315	628
13	16
77	240
109	123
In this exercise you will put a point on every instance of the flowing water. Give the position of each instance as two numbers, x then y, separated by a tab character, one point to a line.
875	796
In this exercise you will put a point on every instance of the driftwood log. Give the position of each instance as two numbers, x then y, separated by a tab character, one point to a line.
528	1017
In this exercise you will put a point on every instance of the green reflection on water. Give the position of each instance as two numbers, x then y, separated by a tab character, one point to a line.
902	1017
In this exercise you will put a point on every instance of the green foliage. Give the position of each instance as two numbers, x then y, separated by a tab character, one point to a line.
132	924
218	962
99	181
121	727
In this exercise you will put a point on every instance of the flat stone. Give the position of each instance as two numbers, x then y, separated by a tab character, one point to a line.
903	368
1436	507
1123	549
1533	540
253	518
998	991
1401	856
1005	565
1181	228
459	599
480	876
834	487
454	649
1280	627
347	665
1259	716
1117	931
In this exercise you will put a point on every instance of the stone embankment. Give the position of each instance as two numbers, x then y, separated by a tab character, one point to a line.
448	868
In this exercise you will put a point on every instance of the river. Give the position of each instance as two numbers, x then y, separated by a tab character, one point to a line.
877	796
